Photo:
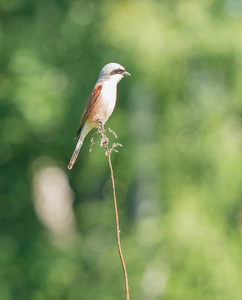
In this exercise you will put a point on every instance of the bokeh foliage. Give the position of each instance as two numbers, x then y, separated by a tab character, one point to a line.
178	176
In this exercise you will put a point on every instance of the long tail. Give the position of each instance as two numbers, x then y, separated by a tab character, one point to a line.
76	152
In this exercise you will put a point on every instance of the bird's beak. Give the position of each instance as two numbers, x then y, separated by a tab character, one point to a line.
126	73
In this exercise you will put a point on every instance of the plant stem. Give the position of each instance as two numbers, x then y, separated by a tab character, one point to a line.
117	225
104	143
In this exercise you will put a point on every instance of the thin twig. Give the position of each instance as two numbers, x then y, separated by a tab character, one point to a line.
117	225
104	143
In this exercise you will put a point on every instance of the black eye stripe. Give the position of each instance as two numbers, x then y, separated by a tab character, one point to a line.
117	71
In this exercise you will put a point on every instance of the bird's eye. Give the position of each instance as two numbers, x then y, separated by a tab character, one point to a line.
117	71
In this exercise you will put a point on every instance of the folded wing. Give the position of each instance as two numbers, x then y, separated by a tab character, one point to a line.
95	95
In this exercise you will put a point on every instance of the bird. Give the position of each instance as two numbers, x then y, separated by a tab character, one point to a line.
100	103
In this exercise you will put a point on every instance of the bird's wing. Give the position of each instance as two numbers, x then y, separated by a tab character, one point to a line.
89	106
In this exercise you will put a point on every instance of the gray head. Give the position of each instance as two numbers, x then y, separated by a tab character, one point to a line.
112	71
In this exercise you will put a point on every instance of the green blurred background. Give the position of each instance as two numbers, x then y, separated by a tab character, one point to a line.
178	175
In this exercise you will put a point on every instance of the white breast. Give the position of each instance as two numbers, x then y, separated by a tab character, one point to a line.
109	95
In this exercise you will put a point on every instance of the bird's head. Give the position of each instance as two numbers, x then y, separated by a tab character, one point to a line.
113	71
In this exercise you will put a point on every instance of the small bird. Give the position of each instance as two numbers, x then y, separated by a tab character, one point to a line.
100	104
